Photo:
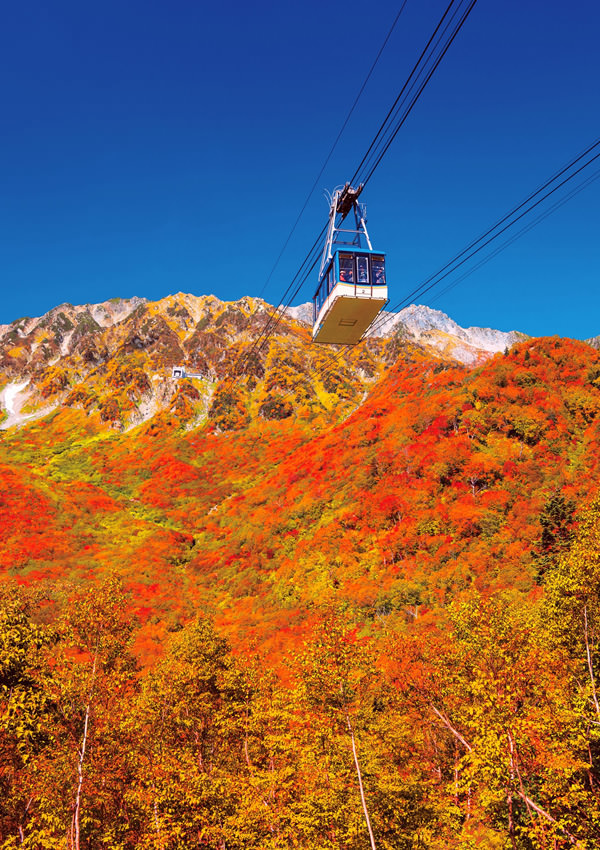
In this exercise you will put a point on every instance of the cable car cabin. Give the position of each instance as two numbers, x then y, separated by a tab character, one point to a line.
352	283
350	296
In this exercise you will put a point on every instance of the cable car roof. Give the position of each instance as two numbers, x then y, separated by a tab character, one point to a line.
348	248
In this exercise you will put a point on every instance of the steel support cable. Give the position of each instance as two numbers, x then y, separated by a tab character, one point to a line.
309	261
322	169
384	320
490	230
417	70
459	259
543	215
285	307
401	110
277	314
400	122
280	308
334	146
329	155
245	356
392	109
401	113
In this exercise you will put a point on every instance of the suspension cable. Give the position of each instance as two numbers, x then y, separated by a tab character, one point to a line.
243	359
427	56
524	208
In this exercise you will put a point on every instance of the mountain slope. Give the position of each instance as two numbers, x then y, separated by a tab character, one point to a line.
113	360
388	477
403	489
382	563
433	329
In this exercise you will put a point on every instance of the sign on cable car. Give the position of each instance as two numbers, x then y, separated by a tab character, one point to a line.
352	286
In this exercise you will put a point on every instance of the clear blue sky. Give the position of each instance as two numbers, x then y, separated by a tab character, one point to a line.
152	147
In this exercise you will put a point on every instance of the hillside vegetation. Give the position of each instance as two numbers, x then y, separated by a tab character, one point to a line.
341	604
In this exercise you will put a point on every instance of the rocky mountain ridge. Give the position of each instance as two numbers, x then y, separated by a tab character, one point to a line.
435	329
114	359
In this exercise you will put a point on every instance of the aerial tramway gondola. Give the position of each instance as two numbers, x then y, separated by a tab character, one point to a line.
352	286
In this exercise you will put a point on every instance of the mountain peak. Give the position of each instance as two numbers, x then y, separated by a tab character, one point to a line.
114	359
434	329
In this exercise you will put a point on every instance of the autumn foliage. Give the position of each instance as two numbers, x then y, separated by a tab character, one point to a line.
333	612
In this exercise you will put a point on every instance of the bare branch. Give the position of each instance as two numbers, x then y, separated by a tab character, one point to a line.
451	728
589	661
527	800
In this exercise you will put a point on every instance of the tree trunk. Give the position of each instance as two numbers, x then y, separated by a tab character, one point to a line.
509	795
80	780
589	662
76	813
360	783
526	799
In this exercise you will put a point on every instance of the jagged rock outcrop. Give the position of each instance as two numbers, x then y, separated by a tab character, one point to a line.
113	360
434	329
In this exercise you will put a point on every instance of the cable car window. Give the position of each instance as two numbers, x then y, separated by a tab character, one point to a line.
330	279
378	270
362	269
346	268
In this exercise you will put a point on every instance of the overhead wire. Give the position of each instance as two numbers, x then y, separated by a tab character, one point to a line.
392	121
384	137
273	320
415	72
334	146
506	221
242	360
556	205
510	219
377	149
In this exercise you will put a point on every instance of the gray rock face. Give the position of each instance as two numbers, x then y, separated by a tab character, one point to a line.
432	327
302	313
418	320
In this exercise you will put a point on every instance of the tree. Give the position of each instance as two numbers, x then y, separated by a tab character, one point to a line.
556	521
23	707
504	695
185	760
572	613
363	746
81	776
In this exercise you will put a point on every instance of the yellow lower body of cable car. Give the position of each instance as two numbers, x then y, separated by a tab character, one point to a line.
348	312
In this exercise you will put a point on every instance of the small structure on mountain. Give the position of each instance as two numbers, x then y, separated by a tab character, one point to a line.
179	372
352	286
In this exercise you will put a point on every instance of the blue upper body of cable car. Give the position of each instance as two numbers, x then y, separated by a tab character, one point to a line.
352	286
